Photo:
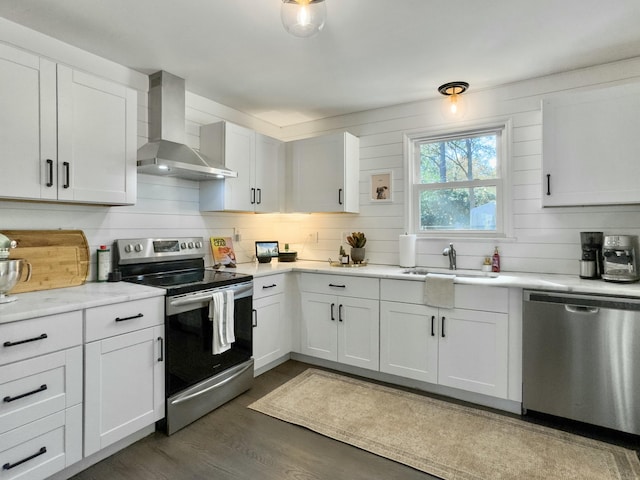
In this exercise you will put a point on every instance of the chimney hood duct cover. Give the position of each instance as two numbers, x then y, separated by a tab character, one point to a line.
166	153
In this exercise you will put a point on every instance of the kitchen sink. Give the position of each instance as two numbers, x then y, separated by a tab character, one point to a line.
446	271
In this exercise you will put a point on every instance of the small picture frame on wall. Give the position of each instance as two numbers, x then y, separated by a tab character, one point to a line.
381	187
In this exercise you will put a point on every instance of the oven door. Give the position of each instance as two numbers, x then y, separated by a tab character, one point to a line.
189	330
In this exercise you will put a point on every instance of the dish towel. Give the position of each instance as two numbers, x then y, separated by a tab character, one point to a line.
439	290
221	313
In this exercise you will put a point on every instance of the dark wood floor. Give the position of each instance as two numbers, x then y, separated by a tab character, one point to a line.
234	442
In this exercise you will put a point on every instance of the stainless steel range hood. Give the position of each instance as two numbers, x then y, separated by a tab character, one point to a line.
166	153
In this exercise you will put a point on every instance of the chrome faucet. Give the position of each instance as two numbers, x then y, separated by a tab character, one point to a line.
451	253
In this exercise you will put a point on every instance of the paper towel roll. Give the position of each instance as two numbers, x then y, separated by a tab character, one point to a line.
407	249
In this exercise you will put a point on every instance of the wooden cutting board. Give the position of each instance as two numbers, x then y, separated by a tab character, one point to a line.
59	258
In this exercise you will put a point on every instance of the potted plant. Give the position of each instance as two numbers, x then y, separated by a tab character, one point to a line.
357	240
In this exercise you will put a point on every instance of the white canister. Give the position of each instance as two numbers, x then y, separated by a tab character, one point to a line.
104	263
407	250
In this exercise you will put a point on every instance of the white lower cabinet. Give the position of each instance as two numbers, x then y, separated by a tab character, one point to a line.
41	391
339	327
271	321
461	348
124	372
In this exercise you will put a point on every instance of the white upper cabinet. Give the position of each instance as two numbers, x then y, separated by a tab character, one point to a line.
96	139
325	174
590	147
64	135
259	161
27	138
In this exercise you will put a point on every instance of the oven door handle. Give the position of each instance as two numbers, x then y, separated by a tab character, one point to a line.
211	387
180	302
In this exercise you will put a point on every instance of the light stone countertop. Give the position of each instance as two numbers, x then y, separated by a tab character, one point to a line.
50	302
61	300
537	281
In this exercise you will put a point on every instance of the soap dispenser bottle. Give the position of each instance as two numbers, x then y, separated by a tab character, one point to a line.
495	261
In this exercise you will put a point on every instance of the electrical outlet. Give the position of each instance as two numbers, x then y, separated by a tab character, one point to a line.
312	237
236	234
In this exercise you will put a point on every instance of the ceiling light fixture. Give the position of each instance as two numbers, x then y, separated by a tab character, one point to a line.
453	104
303	18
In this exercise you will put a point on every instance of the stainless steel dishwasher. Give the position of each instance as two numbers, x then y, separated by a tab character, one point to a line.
581	358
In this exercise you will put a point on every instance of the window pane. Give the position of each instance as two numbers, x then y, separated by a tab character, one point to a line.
458	209
458	160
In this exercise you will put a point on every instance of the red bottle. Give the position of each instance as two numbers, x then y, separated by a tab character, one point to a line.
495	261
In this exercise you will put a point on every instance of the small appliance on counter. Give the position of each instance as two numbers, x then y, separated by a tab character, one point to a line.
620	261
591	265
10	270
266	250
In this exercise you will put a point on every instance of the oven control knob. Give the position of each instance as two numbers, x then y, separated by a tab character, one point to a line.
183	246
198	244
190	244
128	248
138	247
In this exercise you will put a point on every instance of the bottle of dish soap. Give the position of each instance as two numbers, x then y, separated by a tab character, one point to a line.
495	261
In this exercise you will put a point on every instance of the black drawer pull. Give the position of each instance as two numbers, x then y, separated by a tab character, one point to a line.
20	342
9	466
18	397
443	335
548	184
118	319
337	286
340	312
333	318
269	286
433	333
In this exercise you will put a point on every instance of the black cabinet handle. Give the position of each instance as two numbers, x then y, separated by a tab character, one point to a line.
259	190
548	184
9	466
333	318
67	176
339	196
264	287
20	342
433	332
443	335
50	173
8	399
337	286
123	319
254	314
253	196
340	312
161	342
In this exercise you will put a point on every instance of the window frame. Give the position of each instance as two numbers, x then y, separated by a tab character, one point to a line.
413	190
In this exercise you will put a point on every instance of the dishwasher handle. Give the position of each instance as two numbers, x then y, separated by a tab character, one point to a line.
581	309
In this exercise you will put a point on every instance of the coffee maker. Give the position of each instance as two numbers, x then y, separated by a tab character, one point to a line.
620	261
591	262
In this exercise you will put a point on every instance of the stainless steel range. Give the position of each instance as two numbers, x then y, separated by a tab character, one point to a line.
197	380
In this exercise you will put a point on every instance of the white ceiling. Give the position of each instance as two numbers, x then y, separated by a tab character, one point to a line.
371	53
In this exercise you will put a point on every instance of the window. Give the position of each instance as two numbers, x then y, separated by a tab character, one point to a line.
456	183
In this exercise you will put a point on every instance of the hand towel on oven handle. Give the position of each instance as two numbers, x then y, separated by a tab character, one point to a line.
221	313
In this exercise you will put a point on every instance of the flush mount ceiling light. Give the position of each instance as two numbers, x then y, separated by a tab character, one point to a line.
303	18
453	104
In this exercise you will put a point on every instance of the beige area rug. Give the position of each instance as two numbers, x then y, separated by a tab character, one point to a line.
441	438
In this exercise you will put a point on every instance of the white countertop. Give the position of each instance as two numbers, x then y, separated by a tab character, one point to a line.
538	281
60	300
50	302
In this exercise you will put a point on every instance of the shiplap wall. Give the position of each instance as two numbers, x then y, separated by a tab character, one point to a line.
540	240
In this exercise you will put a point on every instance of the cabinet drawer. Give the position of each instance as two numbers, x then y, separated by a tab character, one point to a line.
39	336
343	285
40	386
47	445
266	286
469	297
110	320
